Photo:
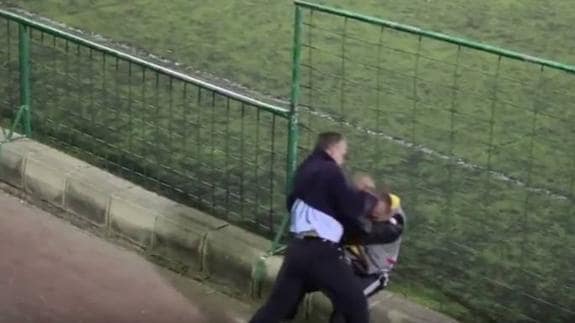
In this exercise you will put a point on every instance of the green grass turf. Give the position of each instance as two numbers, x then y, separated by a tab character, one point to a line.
250	41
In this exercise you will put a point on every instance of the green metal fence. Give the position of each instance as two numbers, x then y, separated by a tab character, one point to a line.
193	141
19	118
477	140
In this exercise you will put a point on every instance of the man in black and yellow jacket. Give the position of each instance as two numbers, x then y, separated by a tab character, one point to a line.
374	255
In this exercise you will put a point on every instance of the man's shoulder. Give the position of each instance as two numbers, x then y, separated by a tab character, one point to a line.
320	165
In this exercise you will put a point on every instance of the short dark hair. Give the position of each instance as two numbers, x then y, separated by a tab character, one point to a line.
327	139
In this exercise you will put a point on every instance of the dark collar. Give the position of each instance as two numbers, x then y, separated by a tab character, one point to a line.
318	153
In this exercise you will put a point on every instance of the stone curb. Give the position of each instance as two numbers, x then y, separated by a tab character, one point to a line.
183	238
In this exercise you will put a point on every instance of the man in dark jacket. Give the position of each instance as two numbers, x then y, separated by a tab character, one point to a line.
322	205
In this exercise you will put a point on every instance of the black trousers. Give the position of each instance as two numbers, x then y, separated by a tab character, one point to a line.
312	264
370	284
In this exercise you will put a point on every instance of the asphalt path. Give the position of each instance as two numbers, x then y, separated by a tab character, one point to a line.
51	271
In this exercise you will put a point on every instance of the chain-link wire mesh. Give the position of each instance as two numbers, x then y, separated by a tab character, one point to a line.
9	89
184	138
479	145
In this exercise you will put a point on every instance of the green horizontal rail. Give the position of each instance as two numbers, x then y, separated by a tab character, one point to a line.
438	36
136	60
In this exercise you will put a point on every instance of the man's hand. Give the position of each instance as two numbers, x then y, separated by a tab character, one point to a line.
364	183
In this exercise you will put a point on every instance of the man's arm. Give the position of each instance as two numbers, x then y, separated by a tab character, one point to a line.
292	196
290	201
384	232
351	204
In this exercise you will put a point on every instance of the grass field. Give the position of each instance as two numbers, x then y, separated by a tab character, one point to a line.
249	42
474	260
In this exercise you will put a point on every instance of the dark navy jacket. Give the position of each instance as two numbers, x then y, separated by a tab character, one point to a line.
321	184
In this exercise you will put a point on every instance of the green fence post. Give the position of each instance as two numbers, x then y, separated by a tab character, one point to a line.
24	62
293	135
292	145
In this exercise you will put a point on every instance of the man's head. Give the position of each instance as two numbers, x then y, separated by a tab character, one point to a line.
334	144
383	210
